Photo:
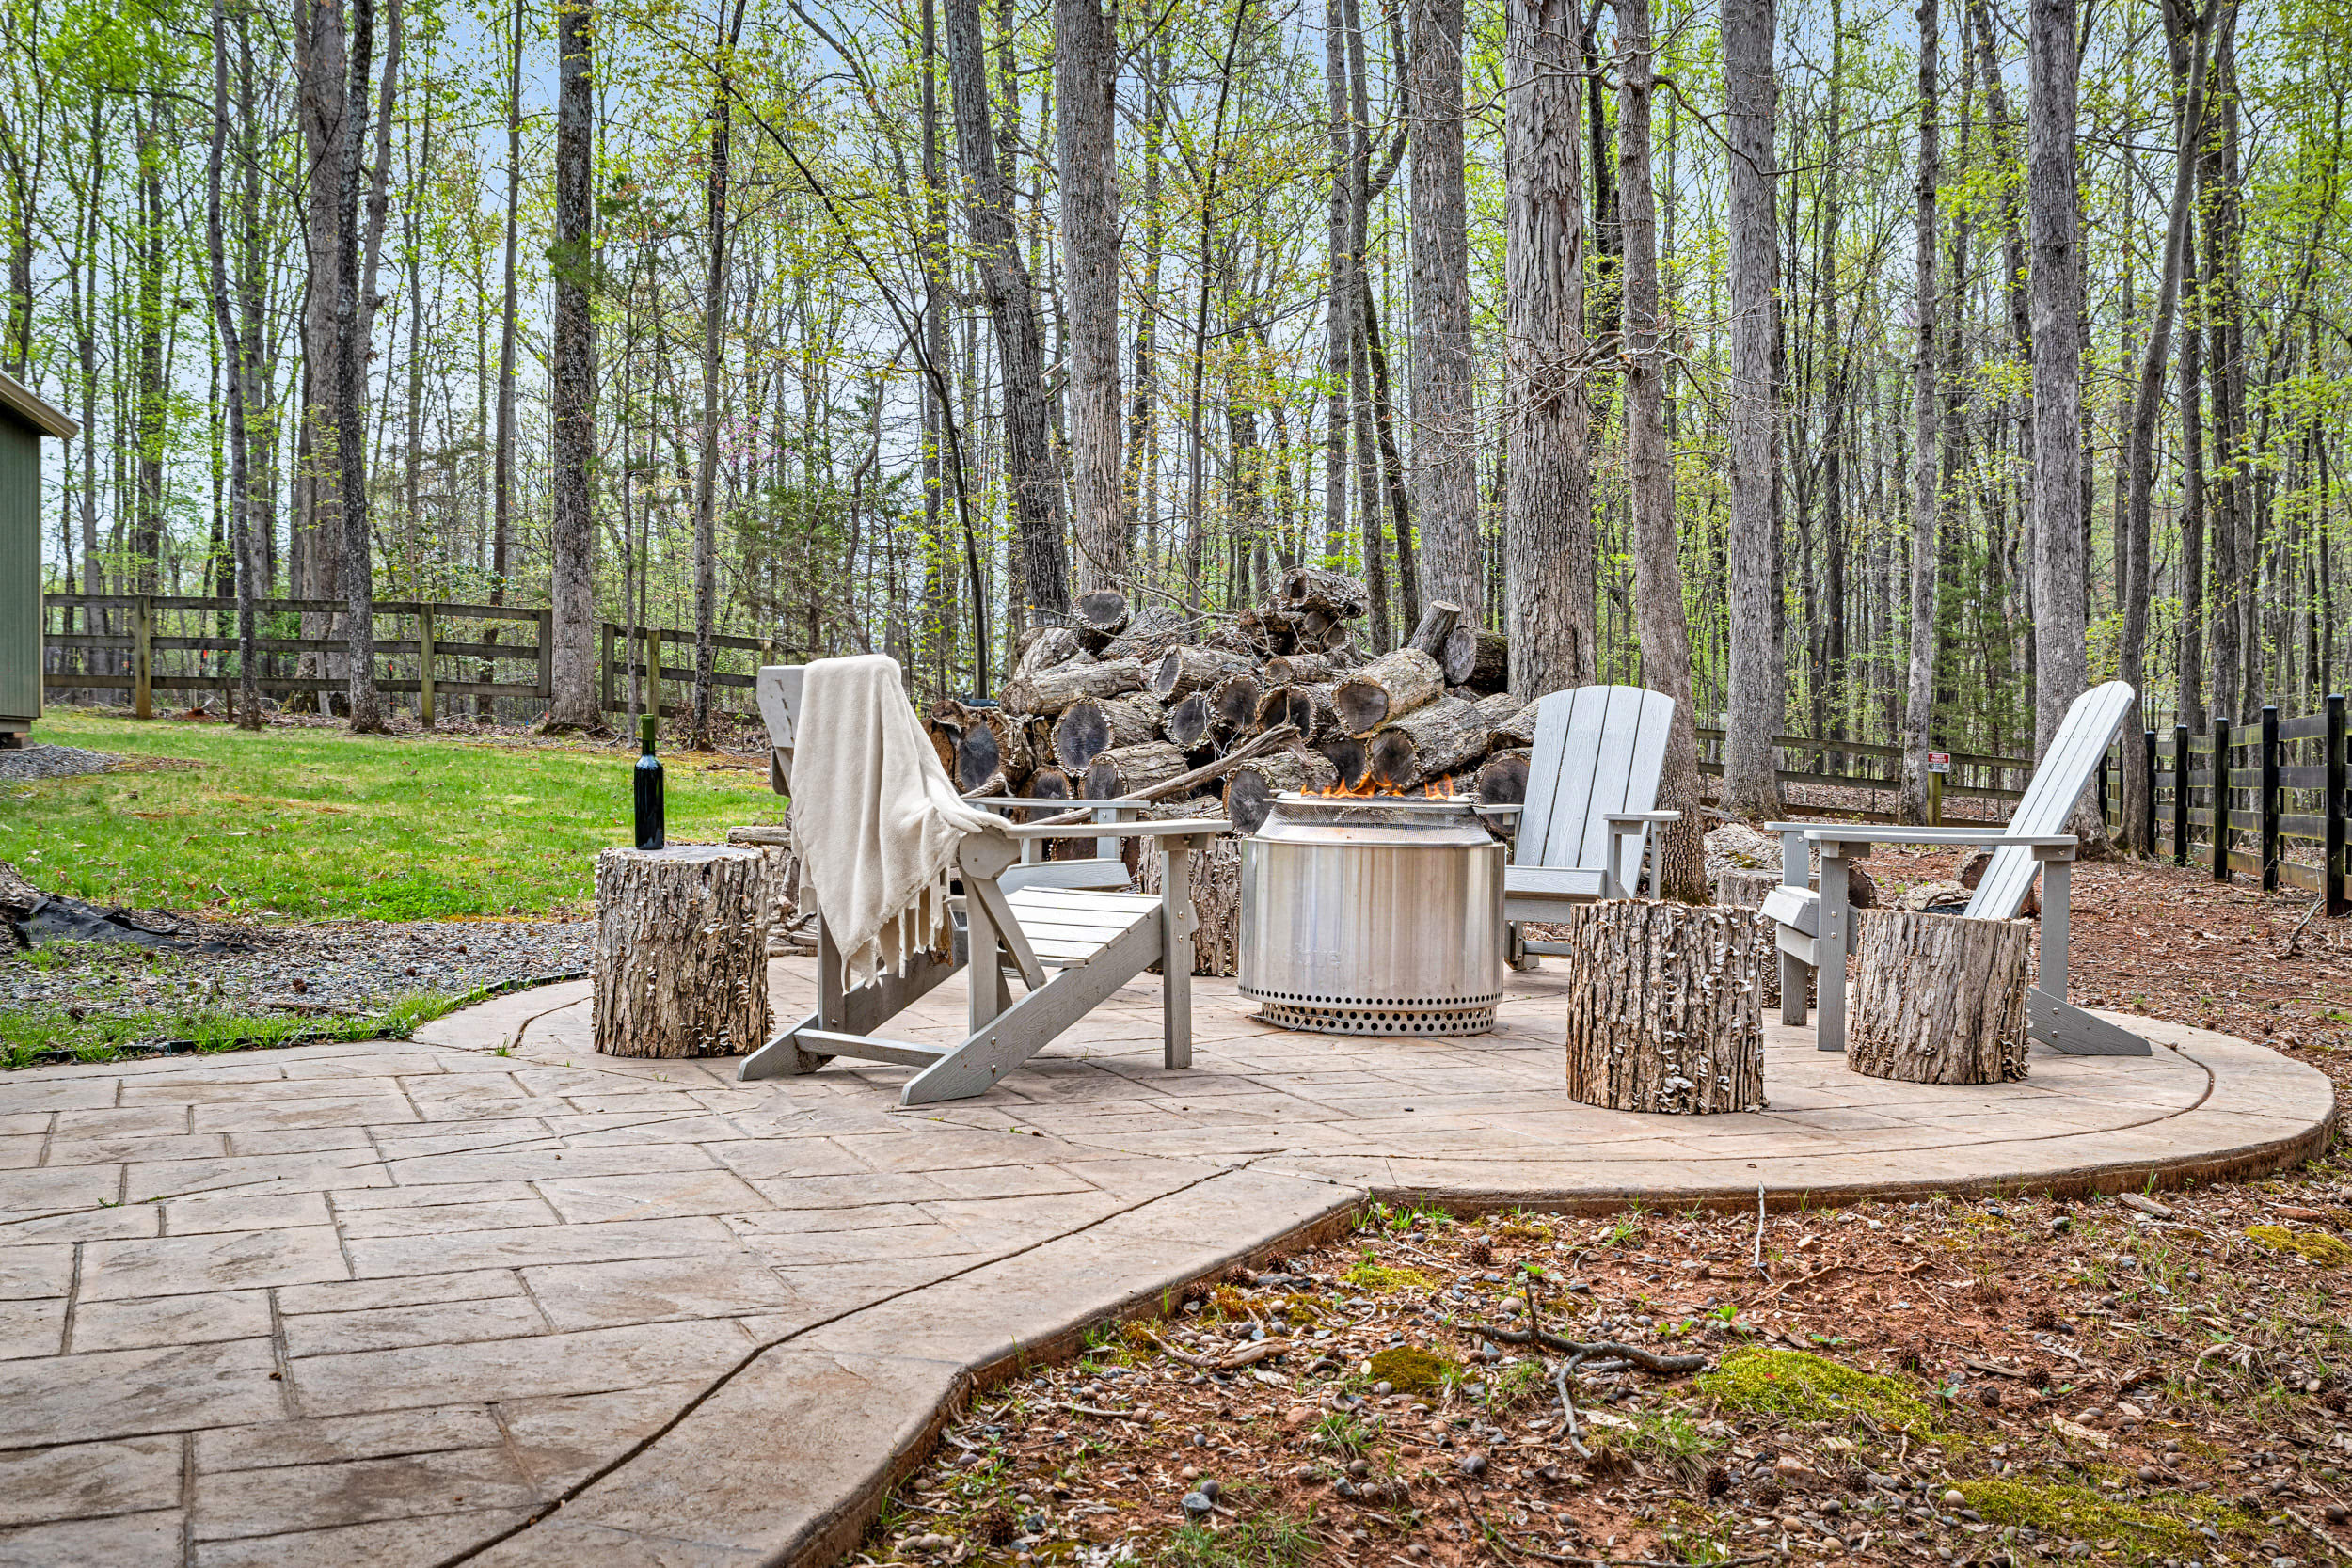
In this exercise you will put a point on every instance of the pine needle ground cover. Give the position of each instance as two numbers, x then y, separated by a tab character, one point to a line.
314	824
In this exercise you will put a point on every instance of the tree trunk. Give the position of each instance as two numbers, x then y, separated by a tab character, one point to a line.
351	419
714	322
1038	576
572	383
1548	559
1939	999
1386	689
1663	1007
2061	660
681	962
1445	402
2133	570
1085	75
237	352
502	467
1751	785
1649	471
1919	687
322	65
1339	302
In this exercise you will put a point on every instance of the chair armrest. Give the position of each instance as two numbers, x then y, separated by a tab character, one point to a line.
1630	819
1995	834
1198	827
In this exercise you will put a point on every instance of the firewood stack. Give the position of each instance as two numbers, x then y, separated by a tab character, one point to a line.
1118	704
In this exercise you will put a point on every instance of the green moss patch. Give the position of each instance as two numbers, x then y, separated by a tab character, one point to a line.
2314	1246
1412	1371
2141	1533
1804	1387
1382	1276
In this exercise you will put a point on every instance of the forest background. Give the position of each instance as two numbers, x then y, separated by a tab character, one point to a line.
1830	365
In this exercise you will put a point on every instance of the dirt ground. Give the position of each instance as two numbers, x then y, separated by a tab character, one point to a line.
2149	1381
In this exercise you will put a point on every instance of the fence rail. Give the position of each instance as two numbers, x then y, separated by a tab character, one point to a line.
1993	776
175	642
2247	797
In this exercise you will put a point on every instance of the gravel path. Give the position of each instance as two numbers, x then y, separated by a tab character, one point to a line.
333	967
52	761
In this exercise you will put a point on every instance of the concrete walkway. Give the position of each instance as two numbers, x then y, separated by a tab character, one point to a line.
488	1298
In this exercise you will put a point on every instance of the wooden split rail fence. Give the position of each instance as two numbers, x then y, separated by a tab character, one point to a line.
143	644
2249	798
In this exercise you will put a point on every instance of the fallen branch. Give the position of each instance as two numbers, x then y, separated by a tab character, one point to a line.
1242	1357
2295	936
1257	746
1790	1285
1649	1360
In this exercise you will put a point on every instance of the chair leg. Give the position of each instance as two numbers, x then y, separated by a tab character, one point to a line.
1796	979
1829	950
1176	927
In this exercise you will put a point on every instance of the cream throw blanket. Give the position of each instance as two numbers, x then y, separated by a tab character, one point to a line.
875	820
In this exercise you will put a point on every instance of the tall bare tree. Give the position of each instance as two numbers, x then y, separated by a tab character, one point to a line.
572	379
1751	776
1086	69
238	370
1920	683
1039	577
1340	303
2186	34
715	177
502	438
2053	225
351	376
1445	400
1547	472
1665	630
315	548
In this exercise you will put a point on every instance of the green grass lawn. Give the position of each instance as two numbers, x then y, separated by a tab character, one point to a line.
303	823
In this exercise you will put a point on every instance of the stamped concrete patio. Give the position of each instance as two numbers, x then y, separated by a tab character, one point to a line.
488	1298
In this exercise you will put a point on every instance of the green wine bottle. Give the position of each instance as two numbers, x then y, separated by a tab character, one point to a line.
651	832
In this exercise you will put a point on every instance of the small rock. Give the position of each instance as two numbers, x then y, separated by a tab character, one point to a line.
1211	1489
1952	1498
1358	1469
2060	1224
1198	1506
1474	1464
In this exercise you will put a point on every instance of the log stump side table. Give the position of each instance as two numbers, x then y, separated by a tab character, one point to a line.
681	960
1663	1008
1939	998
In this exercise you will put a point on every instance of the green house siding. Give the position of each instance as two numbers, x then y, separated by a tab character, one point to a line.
20	572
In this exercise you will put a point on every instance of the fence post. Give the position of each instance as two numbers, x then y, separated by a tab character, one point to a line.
425	664
2335	874
2147	844
2271	794
1935	799
2220	800
547	654
2180	795
142	659
604	669
653	670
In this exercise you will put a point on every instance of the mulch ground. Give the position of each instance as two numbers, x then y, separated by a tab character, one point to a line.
2147	1381
1999	1382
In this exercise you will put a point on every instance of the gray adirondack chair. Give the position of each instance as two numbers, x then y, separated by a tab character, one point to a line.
1812	925
1592	787
1020	920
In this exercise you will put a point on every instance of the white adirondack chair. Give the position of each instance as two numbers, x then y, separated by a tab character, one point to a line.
1592	785
1020	919
1813	927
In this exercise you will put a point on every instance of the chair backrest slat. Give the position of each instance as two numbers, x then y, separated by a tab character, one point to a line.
2064	773
1598	748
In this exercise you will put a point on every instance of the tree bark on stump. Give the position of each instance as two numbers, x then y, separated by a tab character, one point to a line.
1939	998
775	843
681	960
1124	769
1054	689
1182	671
1096	725
1250	788
1736	889
1214	879
1387	689
1314	588
1428	743
1300	670
1664	1013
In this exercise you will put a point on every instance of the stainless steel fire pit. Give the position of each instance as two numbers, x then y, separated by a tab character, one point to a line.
1372	915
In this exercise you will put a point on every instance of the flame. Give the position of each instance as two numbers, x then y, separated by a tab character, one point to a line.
1435	789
